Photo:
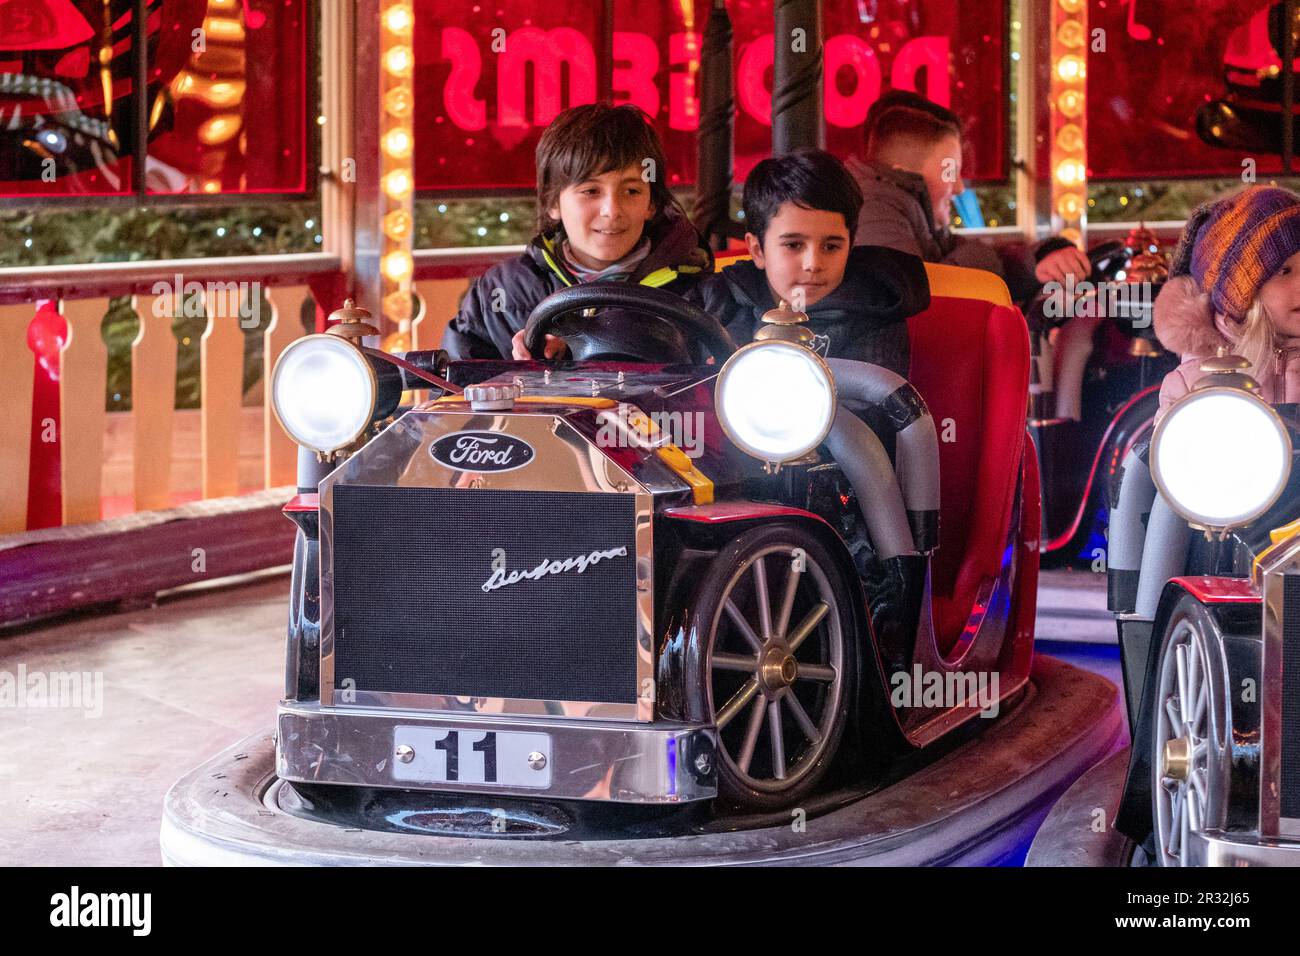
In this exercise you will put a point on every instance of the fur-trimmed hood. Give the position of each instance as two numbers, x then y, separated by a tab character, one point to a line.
1185	322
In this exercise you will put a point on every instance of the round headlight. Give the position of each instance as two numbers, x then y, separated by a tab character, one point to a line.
1221	457
323	390
775	400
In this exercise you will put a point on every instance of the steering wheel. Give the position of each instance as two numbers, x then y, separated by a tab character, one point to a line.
676	325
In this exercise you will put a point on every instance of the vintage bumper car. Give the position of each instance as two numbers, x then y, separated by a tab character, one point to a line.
1204	580
629	578
1095	388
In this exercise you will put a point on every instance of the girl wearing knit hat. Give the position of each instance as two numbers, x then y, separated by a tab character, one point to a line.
1235	281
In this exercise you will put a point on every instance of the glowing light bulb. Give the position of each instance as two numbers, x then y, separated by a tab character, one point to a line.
1070	138
397	184
398	266
1070	172
397	306
399	19
399	60
1070	34
399	101
1070	103
1070	206
397	224
1071	68
398	143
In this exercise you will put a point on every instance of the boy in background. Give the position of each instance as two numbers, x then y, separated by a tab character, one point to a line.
908	181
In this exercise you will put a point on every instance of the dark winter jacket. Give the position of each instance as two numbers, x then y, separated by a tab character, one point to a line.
862	317
498	303
896	212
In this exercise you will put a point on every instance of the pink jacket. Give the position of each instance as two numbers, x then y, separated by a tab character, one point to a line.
1186	324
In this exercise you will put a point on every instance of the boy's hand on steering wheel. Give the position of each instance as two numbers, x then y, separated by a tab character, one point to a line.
555	347
1057	265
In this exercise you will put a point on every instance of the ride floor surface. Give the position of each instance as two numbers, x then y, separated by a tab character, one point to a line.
199	672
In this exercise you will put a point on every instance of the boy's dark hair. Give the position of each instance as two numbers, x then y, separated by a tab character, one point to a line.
811	178
902	123
911	100
586	141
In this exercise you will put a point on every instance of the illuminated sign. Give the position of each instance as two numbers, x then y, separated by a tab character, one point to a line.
487	84
553	55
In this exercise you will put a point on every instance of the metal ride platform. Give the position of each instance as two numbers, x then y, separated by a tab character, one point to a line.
1079	830
976	803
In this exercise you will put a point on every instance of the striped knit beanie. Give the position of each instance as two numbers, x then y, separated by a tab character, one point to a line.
1233	246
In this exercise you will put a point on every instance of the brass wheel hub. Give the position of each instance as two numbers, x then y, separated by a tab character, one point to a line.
1178	758
777	668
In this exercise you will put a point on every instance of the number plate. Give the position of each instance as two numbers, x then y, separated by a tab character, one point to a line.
480	757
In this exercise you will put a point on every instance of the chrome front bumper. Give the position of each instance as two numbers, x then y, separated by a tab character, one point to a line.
621	761
1216	848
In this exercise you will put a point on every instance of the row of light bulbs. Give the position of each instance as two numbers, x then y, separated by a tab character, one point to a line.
397	145
1069	143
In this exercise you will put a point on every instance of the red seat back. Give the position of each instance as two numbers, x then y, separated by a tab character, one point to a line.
970	362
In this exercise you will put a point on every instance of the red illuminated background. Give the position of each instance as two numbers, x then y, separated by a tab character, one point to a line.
482	106
235	119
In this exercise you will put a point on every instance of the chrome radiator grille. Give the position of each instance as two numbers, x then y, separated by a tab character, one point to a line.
451	593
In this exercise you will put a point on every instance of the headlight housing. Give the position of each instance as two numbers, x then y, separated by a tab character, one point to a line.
1221	457
776	400
324	390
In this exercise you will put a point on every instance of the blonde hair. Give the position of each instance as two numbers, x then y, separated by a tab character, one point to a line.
1258	342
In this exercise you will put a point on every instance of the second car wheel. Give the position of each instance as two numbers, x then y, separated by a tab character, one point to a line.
775	663
1190	756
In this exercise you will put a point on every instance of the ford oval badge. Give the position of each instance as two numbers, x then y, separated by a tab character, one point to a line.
482	451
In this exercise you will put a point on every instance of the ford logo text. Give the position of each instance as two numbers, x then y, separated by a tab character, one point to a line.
482	451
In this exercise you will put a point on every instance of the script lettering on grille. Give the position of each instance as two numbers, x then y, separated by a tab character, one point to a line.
469	451
500	578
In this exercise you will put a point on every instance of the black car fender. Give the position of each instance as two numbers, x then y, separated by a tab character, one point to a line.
302	648
687	547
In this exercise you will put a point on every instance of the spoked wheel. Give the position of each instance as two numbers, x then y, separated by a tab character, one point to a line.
777	664
1190	759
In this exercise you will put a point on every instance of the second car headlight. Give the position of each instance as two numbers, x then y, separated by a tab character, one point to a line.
1221	457
323	390
776	400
